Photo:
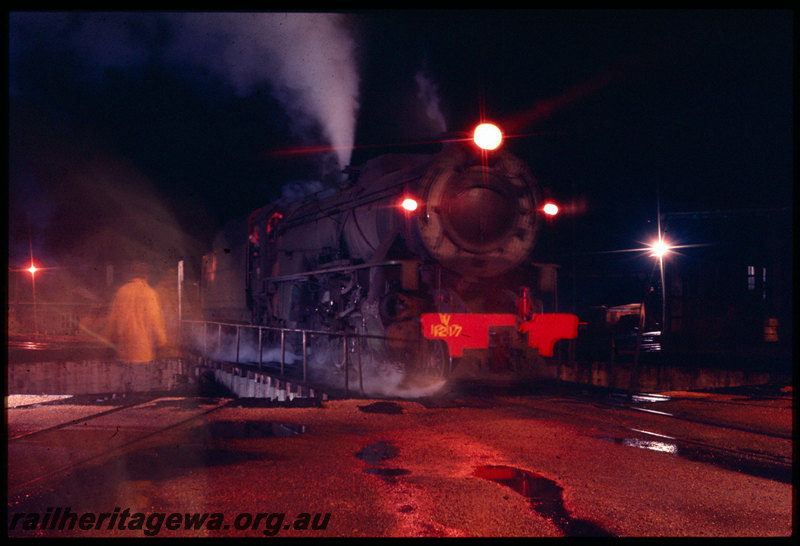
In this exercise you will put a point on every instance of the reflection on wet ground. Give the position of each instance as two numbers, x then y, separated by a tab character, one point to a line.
231	430
36	351
387	472
377	453
390	408
546	498
753	464
641	397
652	445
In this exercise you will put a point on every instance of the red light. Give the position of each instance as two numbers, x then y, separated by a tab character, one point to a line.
550	209
409	204
272	223
33	269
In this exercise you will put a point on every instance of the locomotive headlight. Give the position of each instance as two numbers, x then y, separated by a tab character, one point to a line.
487	136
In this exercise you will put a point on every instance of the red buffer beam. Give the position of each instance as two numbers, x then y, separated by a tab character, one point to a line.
471	330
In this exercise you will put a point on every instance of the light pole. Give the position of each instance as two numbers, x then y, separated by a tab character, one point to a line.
659	249
33	269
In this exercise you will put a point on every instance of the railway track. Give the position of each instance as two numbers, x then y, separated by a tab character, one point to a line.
217	392
664	431
630	421
20	484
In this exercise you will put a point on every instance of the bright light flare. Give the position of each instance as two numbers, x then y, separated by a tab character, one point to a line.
550	209
32	269
409	204
659	248
487	136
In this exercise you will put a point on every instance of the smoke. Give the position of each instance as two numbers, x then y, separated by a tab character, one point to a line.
82	208
428	93
308	59
325	363
297	191
373	375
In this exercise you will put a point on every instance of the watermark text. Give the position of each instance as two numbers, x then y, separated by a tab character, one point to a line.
153	523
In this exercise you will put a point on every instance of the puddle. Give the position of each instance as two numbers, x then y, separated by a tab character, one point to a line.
641	397
377	452
546	498
252	429
273	403
737	462
384	472
648	397
382	407
652	445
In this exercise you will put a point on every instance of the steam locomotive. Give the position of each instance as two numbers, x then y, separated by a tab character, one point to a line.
425	256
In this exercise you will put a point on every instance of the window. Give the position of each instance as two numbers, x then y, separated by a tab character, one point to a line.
755	281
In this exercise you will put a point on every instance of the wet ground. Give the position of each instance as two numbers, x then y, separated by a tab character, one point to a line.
56	349
544	460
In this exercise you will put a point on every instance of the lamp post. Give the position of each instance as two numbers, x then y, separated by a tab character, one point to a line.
659	249
33	269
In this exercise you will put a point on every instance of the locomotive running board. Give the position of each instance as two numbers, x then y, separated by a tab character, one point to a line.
340	269
471	330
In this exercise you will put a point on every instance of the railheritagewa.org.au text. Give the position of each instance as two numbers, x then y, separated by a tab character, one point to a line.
155	523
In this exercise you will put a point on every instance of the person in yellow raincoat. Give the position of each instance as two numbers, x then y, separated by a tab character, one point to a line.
136	324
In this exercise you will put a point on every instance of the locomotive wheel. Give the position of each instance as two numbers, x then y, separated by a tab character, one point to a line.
436	359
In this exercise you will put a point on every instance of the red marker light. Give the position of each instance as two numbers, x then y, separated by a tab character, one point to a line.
550	209
33	269
487	136
409	204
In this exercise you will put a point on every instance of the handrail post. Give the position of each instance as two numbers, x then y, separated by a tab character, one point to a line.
283	348
346	368
237	343
358	355
260	332
305	361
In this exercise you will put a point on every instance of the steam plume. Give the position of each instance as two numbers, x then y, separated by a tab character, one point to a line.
307	58
428	93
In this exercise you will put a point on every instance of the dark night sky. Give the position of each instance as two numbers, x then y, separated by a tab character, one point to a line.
127	127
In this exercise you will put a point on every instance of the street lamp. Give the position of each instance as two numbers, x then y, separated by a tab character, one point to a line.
659	249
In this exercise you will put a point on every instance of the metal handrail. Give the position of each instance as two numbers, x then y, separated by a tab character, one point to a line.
303	331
